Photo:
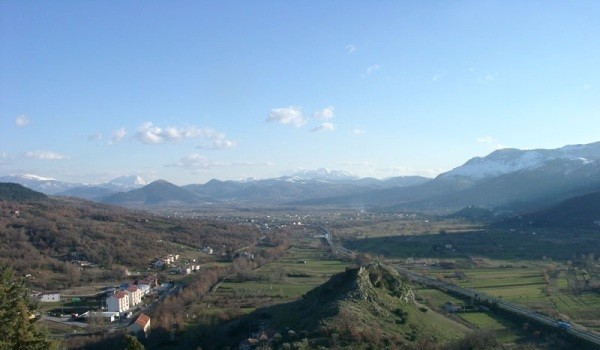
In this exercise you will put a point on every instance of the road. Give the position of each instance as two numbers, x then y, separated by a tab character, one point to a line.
516	309
65	320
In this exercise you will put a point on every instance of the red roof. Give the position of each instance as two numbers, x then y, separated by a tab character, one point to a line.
142	320
119	295
132	288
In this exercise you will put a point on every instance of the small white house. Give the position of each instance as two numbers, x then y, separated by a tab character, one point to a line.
50	298
207	250
141	325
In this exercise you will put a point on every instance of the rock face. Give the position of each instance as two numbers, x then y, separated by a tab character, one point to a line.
363	283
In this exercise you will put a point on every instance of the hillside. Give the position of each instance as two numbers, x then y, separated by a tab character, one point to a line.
369	305
156	193
577	212
507	179
16	192
40	238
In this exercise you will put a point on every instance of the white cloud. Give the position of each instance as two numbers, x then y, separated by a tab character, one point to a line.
117	136
398	170
351	48
326	126
3	155
95	137
488	78
358	132
220	144
199	162
45	155
488	140
324	114
22	121
485	139
151	134
370	70
362	164
287	115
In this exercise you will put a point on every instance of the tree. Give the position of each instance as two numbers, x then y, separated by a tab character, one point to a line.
17	330
132	343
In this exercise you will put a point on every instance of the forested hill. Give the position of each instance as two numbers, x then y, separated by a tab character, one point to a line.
577	212
39	237
15	192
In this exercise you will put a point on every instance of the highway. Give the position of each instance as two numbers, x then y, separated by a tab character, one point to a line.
469	293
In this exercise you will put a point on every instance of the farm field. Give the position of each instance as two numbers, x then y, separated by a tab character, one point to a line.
506	331
302	268
304	265
529	285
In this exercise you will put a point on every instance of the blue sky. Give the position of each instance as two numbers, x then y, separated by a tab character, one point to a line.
189	91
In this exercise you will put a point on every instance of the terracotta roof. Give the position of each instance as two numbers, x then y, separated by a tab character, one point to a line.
119	295
132	288
142	320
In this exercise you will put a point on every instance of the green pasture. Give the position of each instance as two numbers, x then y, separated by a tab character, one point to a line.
482	320
303	267
436	298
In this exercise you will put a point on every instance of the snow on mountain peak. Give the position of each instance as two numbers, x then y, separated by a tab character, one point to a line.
324	174
132	181
35	177
510	160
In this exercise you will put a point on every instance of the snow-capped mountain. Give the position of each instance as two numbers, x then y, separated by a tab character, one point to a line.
126	183
507	179
324	174
51	186
42	184
101	191
511	160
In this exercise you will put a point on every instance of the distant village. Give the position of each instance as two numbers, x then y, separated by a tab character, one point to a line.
124	303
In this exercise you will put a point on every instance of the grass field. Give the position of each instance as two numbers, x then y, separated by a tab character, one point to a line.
511	264
304	266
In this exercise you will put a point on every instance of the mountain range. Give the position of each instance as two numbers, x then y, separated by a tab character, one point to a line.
52	186
506	179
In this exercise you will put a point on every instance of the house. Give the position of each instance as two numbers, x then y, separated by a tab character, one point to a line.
144	288
50	298
207	250
140	325
451	308
134	294
152	281
118	302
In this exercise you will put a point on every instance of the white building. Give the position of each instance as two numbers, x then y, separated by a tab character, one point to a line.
134	294
144	288
50	298
108	316
118	302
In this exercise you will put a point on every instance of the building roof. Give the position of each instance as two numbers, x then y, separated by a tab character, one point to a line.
132	288
119	295
142	320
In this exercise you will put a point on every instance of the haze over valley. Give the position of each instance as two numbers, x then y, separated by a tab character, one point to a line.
292	175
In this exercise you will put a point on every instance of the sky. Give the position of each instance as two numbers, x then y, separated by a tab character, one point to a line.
188	91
